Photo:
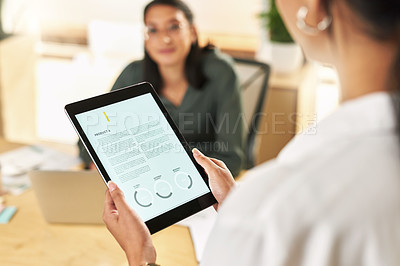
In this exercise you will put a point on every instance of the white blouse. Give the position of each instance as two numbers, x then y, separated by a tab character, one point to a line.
330	198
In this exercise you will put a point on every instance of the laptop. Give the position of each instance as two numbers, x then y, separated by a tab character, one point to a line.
69	196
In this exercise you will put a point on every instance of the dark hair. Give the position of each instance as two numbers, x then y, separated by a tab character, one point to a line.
382	20
193	70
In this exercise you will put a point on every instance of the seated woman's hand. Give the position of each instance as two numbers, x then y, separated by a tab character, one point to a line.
127	228
220	178
92	166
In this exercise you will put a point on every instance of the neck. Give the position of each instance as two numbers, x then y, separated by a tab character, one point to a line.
365	66
172	75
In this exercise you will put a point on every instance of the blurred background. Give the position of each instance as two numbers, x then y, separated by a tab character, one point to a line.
54	52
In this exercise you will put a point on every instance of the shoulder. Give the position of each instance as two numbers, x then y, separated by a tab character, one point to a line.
343	181
320	205
131	74
135	66
217	64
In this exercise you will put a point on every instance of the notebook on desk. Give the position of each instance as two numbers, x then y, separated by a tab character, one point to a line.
69	196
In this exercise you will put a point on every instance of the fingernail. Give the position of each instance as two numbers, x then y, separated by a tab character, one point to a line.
196	152
111	186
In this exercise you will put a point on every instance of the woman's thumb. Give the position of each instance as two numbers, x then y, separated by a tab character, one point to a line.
117	195
203	160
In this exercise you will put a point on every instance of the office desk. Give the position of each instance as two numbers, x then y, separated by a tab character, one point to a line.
29	240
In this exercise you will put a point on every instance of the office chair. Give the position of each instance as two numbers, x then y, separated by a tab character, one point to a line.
253	79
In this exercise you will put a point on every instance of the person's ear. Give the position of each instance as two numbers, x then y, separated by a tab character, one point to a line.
193	34
316	12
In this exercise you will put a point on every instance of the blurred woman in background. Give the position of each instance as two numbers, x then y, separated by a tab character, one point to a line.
198	86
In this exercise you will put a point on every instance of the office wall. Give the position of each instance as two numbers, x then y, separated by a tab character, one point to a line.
216	16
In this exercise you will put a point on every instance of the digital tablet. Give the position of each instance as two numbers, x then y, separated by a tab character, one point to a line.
133	141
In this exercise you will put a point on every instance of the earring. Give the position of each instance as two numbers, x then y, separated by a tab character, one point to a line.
307	29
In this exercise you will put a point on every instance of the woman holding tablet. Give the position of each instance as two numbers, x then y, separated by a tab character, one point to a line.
198	86
332	198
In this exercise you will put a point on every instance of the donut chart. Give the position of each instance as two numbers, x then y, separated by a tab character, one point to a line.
163	189
143	197
183	181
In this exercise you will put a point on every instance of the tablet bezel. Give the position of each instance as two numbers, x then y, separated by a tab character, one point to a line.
172	216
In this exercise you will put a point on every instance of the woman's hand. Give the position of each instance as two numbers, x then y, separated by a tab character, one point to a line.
127	228
92	166
220	178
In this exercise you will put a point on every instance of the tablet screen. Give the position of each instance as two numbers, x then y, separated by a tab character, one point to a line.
142	154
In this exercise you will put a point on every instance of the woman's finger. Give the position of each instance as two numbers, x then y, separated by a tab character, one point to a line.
218	162
108	202
117	197
110	212
203	160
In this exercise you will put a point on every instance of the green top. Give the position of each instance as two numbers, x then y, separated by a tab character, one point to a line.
209	118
